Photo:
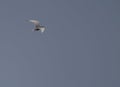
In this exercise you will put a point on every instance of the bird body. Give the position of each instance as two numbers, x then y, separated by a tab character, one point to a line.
37	26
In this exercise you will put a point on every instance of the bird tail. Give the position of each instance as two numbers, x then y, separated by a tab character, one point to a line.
42	29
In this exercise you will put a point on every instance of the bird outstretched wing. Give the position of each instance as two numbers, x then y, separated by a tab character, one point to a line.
35	22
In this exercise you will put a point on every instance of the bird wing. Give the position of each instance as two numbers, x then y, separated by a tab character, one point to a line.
35	22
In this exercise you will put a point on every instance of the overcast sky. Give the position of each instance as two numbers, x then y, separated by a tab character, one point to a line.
80	47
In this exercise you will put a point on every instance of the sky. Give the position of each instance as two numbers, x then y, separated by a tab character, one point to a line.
80	47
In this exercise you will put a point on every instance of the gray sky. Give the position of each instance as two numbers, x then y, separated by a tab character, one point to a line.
80	47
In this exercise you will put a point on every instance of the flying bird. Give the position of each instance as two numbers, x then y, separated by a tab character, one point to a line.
37	26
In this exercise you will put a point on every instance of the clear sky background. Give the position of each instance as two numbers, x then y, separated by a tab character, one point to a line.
80	47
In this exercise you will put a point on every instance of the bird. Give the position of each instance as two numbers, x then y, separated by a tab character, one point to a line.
37	26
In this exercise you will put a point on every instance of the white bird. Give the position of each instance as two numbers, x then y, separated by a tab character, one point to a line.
37	26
